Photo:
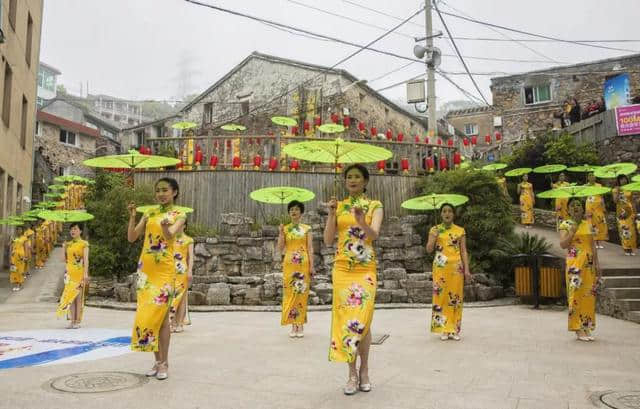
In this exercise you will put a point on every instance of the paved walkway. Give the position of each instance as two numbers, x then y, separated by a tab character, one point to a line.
44	284
510	357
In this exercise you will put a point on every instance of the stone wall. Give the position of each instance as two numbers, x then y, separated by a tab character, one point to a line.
59	155
481	117
619	149
241	267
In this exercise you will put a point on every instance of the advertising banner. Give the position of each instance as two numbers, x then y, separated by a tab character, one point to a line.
628	120
617	91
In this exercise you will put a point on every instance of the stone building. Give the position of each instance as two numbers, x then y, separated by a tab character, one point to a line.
526	103
124	113
21	23
472	121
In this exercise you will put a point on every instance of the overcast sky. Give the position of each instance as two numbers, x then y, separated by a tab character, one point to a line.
158	49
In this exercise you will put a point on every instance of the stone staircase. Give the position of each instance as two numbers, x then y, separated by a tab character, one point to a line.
621	295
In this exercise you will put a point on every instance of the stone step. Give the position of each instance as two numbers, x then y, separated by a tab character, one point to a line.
621	281
624	293
629	304
620	271
634	316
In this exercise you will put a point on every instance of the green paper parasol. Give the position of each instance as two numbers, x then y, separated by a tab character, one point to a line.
27	218
44	205
518	172
56	187
331	128
11	222
284	121
632	187
615	169
184	125
434	201
233	127
494	166
65	216
281	195
52	195
636	178
573	191
584	168
31	213
132	160
65	179
143	209
465	165
549	169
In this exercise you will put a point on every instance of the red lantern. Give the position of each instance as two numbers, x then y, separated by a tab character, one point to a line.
439	141
487	139
381	165
335	118
443	163
474	140
426	139
456	159
416	139
389	134
228	143
306	126
294	130
236	163
213	162
374	132
317	121
404	164
429	164
198	156
400	137
450	142
346	121
498	136
465	141
141	149
294	165
273	164
180	165
257	162
361	127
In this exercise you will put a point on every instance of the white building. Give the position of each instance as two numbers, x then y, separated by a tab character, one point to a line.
47	83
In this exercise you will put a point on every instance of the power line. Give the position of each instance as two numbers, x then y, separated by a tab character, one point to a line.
465	92
533	50
353	3
359	50
390	72
455	46
537	40
473	20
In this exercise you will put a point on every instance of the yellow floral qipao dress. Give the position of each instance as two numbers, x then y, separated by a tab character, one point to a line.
448	280
561	206
181	248
526	203
581	277
156	279
595	212
625	216
31	239
502	182
41	247
18	260
73	276
296	276
354	281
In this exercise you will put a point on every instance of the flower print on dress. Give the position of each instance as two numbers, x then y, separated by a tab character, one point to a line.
438	321
369	280
586	322
355	326
440	259
141	282
455	300
297	257
575	282
165	293
295	232
350	344
572	252
145	338
293	313
358	251
438	286
355	296
356	232
299	286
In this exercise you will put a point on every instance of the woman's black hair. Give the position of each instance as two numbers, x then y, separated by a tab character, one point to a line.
295	203
573	199
77	224
619	178
173	183
361	168
448	204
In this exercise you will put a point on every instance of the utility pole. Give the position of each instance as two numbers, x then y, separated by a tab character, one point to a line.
431	78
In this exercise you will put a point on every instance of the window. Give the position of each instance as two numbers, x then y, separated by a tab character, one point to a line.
244	105
9	194
19	198
470	129
158	131
6	99
2	192
1	34
537	94
13	11
23	123
38	128
39	102
29	39
139	138
46	80
208	112
68	138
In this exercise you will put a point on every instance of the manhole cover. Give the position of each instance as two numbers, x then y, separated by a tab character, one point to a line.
622	400
96	382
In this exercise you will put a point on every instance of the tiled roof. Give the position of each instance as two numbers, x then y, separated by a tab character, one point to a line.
466	111
67	124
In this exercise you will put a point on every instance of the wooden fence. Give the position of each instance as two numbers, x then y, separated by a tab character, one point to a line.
212	193
595	129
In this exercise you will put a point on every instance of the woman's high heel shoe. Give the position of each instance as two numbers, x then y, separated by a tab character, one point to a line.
352	386
154	370
163	371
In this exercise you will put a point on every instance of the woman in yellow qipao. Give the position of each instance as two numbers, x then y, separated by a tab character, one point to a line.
502	182
184	258
561	204
296	242
19	251
41	247
76	277
582	271
31	237
356	220
625	215
596	212
156	274
450	269
525	190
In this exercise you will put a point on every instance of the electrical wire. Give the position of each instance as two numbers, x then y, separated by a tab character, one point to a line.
390	72
537	40
455	46
348	57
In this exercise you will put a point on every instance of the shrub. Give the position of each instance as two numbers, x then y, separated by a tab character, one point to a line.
517	244
111	253
200	230
486	217
549	149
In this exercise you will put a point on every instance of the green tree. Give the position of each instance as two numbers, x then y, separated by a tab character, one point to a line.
550	149
486	217
111	253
